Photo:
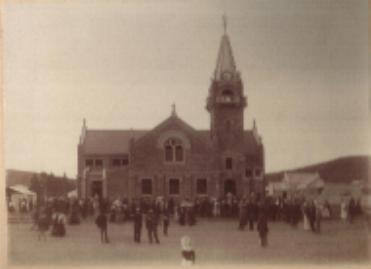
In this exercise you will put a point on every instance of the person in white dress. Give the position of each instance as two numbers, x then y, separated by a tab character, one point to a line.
344	210
188	253
306	225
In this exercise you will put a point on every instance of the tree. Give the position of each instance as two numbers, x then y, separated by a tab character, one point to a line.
36	187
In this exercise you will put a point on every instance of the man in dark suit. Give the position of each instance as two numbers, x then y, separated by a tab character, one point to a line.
151	224
252	211
102	222
137	225
262	226
166	222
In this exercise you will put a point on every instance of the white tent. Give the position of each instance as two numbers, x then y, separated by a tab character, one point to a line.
18	193
72	194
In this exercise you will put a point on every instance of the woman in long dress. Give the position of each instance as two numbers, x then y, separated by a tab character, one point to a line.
344	210
306	225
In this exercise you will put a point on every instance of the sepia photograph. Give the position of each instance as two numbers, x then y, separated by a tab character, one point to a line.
185	133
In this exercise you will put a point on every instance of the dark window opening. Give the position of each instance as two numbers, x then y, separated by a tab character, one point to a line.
168	153
99	163
97	189
125	162
227	95
89	163
258	172
146	186
230	187
178	153
248	173
228	125
228	163
174	186
201	187
116	162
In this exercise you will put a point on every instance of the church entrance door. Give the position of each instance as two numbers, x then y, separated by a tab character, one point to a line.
97	189
230	186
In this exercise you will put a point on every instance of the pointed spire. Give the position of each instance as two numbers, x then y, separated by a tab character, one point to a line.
83	131
255	132
225	61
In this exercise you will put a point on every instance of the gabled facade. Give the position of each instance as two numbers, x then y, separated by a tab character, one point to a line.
174	159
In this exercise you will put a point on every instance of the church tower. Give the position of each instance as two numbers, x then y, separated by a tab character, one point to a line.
226	101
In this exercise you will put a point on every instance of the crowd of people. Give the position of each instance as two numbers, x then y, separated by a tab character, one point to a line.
252	212
24	205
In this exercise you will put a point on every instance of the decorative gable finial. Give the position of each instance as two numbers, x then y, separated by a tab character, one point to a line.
173	110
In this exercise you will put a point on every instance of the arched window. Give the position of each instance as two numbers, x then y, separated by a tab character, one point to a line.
174	150
179	153
168	153
228	124
227	95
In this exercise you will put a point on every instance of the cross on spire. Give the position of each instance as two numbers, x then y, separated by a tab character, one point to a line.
224	23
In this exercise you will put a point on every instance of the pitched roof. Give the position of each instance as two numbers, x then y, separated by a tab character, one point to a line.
117	141
225	60
21	189
109	141
251	144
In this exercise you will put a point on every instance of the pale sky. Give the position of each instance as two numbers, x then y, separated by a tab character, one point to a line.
121	64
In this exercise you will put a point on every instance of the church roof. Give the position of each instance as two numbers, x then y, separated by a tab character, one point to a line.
109	141
251	144
225	61
117	141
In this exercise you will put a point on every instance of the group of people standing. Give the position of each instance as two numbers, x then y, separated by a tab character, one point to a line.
252	211
148	217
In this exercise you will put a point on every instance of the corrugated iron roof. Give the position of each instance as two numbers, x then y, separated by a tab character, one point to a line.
110	141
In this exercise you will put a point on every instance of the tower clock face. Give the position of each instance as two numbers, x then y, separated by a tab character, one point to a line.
227	75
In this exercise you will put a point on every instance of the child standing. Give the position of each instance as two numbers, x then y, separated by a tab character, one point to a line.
188	254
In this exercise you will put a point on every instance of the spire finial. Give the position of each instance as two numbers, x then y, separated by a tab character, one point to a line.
224	23
173	110
84	122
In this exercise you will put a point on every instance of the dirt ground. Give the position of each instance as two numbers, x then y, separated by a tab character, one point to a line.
215	242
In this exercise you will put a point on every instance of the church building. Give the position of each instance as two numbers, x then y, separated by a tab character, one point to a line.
174	159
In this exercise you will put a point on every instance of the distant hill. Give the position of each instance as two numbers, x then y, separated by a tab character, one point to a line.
341	170
56	185
15	177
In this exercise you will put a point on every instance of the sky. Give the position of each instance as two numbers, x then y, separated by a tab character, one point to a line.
121	65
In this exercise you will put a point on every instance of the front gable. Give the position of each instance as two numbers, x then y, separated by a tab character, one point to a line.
148	152
176	127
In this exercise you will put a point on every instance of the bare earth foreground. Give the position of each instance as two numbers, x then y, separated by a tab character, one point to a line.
215	242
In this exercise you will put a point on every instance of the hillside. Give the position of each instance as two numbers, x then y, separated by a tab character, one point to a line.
341	170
